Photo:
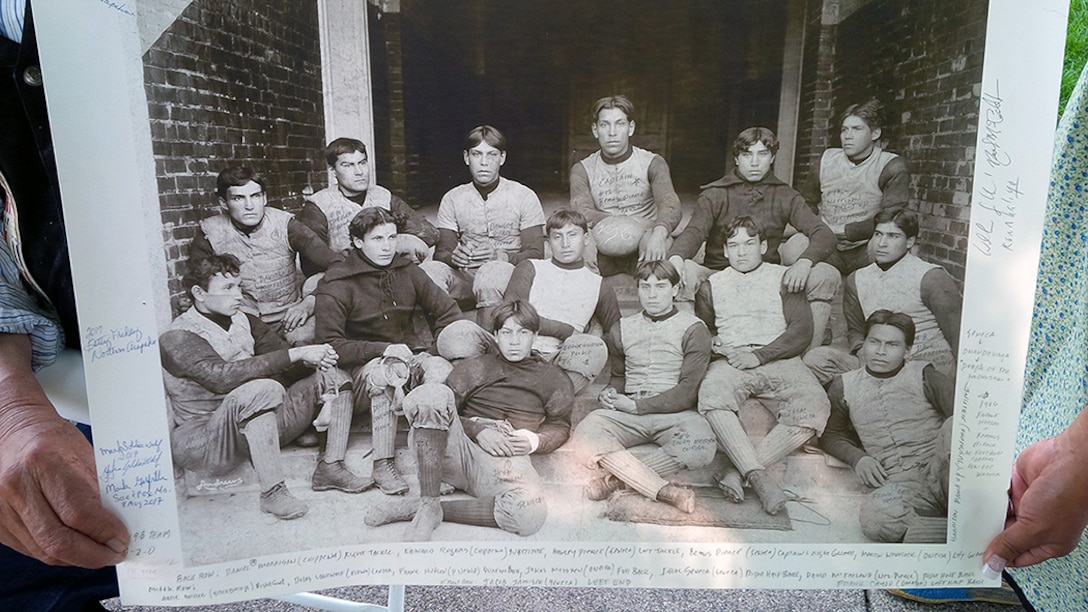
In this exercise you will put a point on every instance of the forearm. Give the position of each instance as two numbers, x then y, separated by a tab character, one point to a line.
677	399
821	240
839	445
942	297
555	429
532	245
838	439
863	230
668	203
855	318
443	250
356	352
683	396
552	435
695	234
556	329
472	428
22	397
1075	437
187	355
314	250
798	334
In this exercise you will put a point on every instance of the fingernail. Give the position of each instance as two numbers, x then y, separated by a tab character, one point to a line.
117	546
993	567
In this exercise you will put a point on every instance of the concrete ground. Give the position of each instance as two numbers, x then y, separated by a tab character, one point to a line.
226	525
488	599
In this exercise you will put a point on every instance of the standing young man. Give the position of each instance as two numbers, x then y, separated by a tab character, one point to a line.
659	357
477	432
485	227
329	211
761	330
621	179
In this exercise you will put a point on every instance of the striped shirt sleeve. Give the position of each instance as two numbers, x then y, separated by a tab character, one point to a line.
11	19
20	313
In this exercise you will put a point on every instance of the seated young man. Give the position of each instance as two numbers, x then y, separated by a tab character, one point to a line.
268	242
900	282
659	357
752	190
622	180
225	373
761	330
566	294
852	184
477	432
365	309
485	227
901	412
329	211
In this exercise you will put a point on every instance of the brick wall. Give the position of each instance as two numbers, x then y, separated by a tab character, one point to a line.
925	64
387	94
233	83
815	109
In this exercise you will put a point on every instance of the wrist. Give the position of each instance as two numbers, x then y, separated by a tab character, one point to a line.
23	396
24	406
1073	442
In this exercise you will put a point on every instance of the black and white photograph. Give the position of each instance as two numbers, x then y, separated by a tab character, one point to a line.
527	275
725	242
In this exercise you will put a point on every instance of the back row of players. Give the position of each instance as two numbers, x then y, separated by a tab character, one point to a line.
260	356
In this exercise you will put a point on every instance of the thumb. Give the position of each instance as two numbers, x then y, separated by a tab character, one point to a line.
1007	546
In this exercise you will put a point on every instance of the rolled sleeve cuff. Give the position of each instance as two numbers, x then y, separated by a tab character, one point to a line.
46	336
20	313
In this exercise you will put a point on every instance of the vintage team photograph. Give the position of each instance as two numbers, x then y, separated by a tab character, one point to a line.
561	271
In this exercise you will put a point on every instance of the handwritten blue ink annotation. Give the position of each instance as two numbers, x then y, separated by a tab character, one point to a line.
102	343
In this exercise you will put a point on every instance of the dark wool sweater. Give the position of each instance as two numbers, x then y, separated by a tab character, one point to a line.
361	308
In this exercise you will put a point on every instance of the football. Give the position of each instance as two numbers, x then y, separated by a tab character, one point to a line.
618	235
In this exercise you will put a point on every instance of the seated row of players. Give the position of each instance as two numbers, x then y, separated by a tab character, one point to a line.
511	402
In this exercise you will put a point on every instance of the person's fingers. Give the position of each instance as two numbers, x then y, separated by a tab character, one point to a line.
91	536
14	535
1010	544
70	527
